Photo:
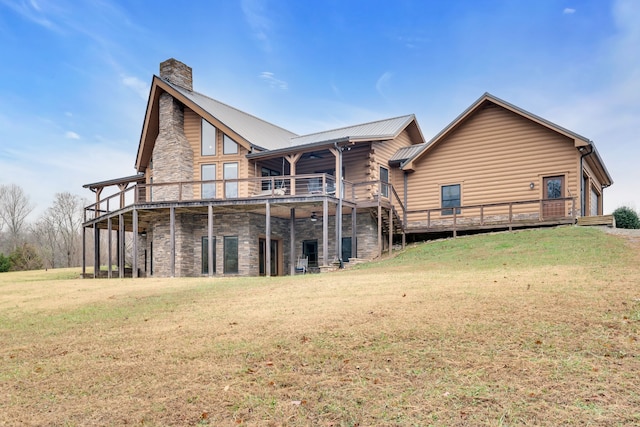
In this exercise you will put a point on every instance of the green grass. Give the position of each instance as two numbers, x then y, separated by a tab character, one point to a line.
537	327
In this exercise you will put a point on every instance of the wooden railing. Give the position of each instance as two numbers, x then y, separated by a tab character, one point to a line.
229	189
504	213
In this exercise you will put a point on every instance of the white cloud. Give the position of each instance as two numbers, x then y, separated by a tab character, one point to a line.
255	15
138	86
568	11
382	82
272	81
71	135
30	11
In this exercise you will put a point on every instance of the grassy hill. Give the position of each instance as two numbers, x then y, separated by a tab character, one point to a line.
537	327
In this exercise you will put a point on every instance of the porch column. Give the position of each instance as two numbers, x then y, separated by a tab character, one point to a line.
379	228
293	159
337	152
354	243
390	231
325	232
134	261
84	251
172	238
96	250
267	243
121	246
109	244
292	242
210	240
404	211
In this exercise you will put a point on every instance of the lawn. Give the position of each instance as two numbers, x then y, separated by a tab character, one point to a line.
536	327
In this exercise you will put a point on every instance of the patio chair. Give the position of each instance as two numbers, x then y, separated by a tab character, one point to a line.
302	265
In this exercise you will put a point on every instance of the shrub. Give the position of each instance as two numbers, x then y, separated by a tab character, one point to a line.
5	263
626	218
24	258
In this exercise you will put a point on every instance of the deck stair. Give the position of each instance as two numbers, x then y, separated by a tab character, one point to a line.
607	220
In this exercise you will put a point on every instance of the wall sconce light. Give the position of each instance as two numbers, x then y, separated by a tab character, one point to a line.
143	234
314	218
531	185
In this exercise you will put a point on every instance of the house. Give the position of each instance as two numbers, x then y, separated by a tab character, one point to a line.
221	192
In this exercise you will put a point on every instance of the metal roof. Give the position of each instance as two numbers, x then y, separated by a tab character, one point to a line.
406	153
257	131
381	129
124	180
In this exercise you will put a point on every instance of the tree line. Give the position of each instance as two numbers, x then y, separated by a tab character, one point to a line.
53	240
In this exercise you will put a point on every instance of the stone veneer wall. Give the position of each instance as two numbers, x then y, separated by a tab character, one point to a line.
172	154
249	227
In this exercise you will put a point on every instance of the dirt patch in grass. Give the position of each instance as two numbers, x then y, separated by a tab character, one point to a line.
437	338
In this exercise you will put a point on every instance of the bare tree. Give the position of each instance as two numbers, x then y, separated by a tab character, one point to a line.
66	214
45	234
14	209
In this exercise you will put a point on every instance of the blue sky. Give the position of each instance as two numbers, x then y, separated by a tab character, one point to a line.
75	74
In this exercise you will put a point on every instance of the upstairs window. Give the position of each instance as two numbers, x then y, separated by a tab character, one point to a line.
229	146
230	172
208	139
384	181
450	198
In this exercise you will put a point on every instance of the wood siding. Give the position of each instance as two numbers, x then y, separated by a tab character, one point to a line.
192	130
494	156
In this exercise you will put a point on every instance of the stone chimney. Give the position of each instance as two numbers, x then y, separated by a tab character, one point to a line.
177	73
172	153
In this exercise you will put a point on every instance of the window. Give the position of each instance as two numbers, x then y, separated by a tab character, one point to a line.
208	172
230	173
594	202
229	146
230	254
346	249
205	255
450	198
384	179
208	139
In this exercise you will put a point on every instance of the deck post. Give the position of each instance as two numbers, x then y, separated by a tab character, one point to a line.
96	250
455	231
109	245
84	251
379	229
292	242
354	234
390	231
134	260
172	238
267	243
210	240
510	215
325	232
121	241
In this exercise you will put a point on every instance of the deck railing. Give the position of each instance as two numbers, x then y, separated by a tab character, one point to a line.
505	213
228	189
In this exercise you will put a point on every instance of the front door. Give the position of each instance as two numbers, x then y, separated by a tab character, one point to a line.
274	257
553	188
